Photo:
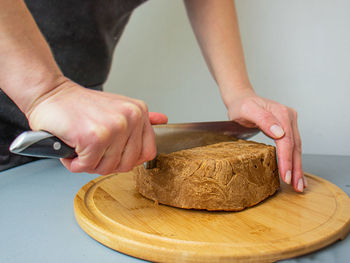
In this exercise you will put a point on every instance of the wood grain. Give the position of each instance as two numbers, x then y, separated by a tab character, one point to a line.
286	225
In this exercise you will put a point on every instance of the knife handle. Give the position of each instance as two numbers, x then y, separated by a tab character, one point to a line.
41	144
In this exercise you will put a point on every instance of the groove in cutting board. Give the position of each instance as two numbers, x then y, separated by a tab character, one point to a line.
286	225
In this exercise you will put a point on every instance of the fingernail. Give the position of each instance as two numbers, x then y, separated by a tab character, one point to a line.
277	130
288	177
300	186
305	182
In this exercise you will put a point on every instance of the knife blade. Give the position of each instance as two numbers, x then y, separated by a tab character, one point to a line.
169	138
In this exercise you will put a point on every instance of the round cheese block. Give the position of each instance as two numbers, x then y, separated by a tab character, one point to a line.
224	176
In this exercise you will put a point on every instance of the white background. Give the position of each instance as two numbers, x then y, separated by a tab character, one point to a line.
297	53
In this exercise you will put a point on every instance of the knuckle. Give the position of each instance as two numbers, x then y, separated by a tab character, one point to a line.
143	106
284	110
265	116
96	134
120	123
245	107
132	111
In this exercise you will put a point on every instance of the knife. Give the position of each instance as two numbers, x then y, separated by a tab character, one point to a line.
169	138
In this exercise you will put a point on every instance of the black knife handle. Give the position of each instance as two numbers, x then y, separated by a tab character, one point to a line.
41	144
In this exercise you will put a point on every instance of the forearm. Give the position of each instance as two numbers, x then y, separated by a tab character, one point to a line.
216	28
27	67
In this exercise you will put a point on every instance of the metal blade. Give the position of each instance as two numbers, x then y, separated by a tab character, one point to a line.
176	137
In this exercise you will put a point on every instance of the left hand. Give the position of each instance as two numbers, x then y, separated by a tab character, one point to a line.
278	122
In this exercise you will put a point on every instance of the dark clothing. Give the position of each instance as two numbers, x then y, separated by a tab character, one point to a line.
82	35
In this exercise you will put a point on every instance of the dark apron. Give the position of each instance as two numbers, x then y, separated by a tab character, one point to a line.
82	35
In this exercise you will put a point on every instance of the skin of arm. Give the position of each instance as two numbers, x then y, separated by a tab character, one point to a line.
85	119
26	60
215	25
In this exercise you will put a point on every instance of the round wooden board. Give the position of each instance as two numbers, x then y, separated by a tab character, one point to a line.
286	225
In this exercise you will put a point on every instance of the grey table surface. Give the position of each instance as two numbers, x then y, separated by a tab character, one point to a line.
37	221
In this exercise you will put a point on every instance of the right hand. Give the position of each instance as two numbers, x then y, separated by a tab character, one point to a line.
110	132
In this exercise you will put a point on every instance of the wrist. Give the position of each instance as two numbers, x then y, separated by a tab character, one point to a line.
26	74
231	93
33	90
41	92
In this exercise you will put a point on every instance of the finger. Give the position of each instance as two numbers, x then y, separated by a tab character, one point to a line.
121	133
149	149
132	150
94	144
264	119
157	118
86	161
278	127
285	146
299	181
112	155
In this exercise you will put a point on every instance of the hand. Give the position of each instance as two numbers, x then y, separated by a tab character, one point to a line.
110	132
278	122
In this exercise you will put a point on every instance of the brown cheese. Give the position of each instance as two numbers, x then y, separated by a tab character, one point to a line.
224	176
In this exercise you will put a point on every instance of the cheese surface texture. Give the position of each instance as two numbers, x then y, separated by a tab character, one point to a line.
224	176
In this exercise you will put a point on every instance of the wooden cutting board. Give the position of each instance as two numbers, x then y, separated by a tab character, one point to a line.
286	225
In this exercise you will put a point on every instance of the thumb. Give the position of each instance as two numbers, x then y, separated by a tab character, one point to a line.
157	118
265	120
